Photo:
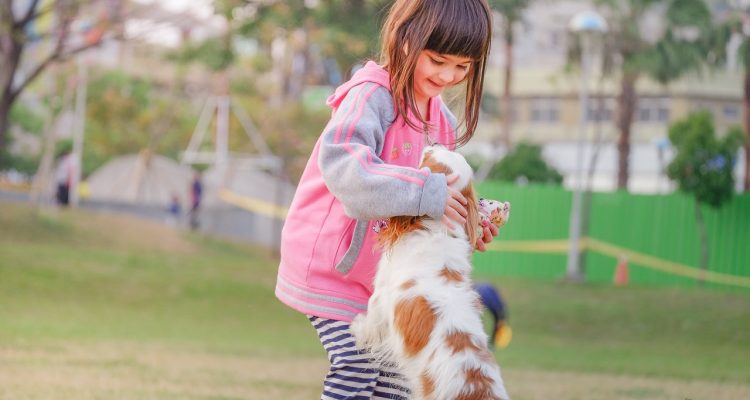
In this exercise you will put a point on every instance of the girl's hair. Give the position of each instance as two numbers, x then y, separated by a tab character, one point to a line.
455	27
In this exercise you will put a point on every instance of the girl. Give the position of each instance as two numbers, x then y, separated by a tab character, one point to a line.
363	170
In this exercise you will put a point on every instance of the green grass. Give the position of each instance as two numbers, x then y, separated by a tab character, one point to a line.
84	277
77	277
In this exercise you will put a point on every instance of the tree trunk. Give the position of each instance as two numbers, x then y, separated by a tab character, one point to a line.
5	105
626	109
10	58
746	186
704	239
507	111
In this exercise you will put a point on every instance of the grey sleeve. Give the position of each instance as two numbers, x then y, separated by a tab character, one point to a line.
349	160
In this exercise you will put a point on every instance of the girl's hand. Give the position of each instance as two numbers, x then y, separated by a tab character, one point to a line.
455	206
490	231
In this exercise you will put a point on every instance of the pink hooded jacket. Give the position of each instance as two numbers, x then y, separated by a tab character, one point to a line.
362	170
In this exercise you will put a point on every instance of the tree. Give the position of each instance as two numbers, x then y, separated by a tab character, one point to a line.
348	40
680	48
511	10
131	115
730	46
703	166
19	33
525	162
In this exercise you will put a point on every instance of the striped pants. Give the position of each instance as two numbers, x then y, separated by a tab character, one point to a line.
353	374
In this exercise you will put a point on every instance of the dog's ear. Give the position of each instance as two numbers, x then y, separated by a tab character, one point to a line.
397	228
472	218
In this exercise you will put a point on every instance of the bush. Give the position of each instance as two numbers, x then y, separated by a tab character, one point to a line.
525	162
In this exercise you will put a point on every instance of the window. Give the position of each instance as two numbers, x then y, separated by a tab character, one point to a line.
598	112
730	112
545	109
653	110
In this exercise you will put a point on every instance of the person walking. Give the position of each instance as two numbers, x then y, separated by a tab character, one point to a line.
196	194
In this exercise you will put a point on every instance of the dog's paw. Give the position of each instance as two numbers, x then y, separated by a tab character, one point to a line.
358	330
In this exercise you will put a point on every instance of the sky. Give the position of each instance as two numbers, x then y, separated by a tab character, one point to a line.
199	8
164	33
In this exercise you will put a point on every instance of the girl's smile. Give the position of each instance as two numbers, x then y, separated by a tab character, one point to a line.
436	72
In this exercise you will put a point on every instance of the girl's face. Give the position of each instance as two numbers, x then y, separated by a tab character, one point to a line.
436	72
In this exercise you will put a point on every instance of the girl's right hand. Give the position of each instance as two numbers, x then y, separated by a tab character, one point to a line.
455	206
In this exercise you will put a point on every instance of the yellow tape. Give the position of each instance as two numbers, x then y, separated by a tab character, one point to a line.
607	249
530	246
536	246
254	205
665	265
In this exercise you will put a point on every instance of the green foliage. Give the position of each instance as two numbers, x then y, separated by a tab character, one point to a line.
525	161
126	115
721	34
703	164
294	132
512	11
63	146
355	38
348	40
214	53
23	164
28	120
680	48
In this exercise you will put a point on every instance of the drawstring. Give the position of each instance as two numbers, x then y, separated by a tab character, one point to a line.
430	142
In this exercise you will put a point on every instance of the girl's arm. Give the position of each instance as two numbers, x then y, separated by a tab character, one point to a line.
349	161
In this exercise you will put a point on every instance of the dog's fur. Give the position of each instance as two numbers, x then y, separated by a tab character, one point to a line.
424	314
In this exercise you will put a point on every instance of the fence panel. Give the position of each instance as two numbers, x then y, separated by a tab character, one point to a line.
658	234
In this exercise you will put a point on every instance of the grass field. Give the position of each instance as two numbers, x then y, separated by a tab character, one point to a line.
97	306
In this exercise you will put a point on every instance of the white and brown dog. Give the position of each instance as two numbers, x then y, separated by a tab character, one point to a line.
424	315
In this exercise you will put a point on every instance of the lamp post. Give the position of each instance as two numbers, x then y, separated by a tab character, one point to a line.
586	24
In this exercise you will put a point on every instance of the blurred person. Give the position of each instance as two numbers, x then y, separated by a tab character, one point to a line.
196	194
364	170
174	209
65	172
500	334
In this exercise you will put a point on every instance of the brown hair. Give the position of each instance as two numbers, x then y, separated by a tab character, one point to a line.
455	27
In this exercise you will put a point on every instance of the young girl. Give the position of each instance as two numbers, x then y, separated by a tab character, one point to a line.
363	170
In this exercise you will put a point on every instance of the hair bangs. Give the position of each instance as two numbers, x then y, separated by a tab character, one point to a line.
461	30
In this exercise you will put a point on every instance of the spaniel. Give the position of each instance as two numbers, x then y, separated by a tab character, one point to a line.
423	314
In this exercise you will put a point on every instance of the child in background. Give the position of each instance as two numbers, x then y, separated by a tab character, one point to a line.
364	169
501	332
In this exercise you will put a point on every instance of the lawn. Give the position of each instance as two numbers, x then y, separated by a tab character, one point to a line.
96	306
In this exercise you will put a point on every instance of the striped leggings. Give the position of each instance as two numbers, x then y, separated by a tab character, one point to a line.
353	374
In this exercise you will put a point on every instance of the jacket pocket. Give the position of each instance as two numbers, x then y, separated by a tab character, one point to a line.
352	247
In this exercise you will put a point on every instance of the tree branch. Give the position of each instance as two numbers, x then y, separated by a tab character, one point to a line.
53	57
6	11
28	16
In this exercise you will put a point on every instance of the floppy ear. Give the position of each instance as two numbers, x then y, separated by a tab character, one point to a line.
472	219
397	228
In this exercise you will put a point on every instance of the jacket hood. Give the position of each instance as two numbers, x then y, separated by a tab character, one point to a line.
371	72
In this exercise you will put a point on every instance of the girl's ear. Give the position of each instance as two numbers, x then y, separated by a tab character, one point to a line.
405	49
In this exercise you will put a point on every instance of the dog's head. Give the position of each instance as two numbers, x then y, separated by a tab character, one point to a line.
440	160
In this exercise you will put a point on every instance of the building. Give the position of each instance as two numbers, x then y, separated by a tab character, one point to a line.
546	108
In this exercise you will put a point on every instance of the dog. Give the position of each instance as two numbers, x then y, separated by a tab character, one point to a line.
424	315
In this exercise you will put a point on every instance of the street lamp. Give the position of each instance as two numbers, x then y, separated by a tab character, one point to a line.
586	24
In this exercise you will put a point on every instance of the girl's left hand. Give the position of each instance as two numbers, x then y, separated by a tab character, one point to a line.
489	232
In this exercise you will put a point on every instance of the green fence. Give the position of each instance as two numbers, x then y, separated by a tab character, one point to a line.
658	236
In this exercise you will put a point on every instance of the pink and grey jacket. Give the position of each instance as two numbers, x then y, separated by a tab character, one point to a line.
362	171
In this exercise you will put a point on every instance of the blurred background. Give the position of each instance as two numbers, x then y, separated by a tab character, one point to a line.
149	151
